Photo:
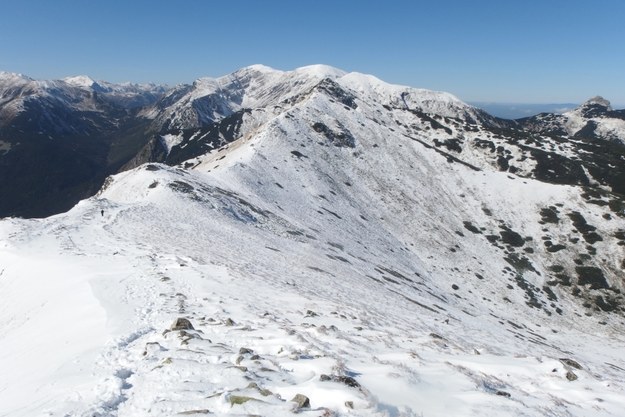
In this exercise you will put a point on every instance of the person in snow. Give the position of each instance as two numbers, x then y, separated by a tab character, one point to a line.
102	213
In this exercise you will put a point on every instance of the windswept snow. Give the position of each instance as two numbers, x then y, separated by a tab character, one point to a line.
281	303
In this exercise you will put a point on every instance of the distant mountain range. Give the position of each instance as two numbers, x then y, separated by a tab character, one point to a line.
520	110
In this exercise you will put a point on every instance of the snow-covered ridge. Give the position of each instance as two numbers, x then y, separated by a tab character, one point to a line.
348	247
210	99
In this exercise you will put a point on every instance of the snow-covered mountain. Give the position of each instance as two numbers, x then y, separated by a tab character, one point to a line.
380	250
59	139
593	119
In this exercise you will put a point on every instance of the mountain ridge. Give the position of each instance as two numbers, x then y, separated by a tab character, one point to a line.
375	252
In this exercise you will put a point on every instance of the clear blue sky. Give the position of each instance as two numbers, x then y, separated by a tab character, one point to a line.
482	50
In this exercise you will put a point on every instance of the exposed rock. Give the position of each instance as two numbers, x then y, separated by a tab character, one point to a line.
239	399
191	412
302	401
571	363
181	324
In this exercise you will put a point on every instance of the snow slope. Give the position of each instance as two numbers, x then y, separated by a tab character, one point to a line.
331	250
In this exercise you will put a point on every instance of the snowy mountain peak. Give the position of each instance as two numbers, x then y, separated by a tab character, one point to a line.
598	101
12	79
259	68
82	81
320	71
594	107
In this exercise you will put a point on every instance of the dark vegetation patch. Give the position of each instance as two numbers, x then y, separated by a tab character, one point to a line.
334	90
452	145
590	275
561	279
549	215
558	169
435	124
550	294
416	302
394	273
450	157
587	231
198	141
510	237
470	227
338	258
492	238
336	245
606	304
530	291
484	144
340	138
555	248
332	213
520	263
181	187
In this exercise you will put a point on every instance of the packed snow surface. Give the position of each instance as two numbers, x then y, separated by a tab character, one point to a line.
89	300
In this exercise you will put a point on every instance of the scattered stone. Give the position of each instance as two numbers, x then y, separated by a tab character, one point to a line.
190	412
302	401
349	404
347	380
343	379
571	376
239	399
503	394
244	351
181	324
571	363
264	392
229	322
152	347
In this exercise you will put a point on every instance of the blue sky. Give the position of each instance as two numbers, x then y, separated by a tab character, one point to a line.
548	51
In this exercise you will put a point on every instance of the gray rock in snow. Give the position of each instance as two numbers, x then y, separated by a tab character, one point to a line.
302	401
181	324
